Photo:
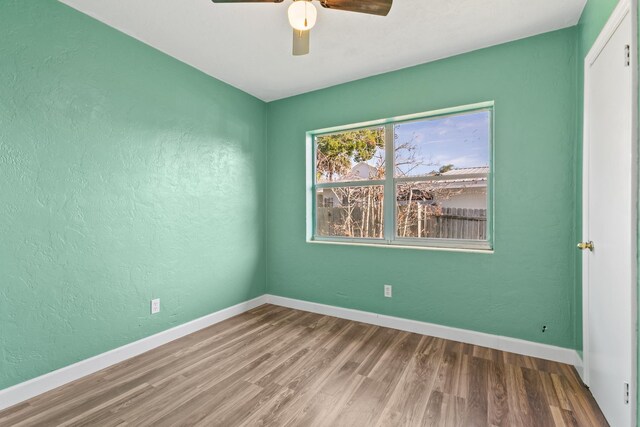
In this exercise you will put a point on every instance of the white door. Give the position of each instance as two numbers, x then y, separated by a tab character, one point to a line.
609	221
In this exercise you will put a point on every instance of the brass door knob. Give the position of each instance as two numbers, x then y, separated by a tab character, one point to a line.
585	245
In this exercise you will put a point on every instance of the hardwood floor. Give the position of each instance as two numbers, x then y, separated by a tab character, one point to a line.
275	366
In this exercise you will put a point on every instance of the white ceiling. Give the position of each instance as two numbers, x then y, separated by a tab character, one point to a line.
249	45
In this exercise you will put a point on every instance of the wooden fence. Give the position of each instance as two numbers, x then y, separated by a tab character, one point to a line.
419	221
450	223
335	221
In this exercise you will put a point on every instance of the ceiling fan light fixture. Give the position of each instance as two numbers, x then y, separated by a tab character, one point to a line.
302	15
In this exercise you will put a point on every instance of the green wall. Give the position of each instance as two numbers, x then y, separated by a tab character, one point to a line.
530	279
124	175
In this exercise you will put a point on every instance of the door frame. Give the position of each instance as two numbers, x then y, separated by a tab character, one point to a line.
623	8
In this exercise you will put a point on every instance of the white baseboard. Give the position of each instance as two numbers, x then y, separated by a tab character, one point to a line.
580	369
513	345
31	388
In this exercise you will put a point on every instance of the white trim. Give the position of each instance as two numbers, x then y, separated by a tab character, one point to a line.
618	14
383	244
513	345
580	370
635	134
31	388
623	8
585	224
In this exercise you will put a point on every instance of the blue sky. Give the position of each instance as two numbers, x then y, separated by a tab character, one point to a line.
461	140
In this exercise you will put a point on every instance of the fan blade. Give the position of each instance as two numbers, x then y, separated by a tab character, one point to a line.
372	7
300	42
247	1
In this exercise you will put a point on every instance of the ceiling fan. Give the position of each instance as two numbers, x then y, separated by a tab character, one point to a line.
303	14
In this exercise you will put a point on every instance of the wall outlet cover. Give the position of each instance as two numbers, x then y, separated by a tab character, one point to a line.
388	291
155	306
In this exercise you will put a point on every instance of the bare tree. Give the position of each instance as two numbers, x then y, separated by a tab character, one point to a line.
359	211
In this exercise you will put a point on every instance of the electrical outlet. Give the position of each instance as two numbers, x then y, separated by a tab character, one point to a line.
155	306
388	291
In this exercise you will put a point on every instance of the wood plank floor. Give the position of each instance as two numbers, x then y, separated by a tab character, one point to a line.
275	366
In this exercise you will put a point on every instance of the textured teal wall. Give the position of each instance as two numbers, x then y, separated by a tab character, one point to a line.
529	280
124	175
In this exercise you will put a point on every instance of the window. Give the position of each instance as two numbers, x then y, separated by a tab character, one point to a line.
422	180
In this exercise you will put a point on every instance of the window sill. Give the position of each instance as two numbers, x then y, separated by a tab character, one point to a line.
400	246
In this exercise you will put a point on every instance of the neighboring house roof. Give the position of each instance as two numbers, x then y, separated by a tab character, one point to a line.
461	178
478	177
467	171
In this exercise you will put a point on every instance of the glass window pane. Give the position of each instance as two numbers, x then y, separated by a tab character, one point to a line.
350	212
350	156
449	209
441	144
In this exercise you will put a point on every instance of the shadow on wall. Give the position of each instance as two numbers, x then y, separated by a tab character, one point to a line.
125	175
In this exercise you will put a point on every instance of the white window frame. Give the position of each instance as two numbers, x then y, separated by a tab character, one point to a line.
389	184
